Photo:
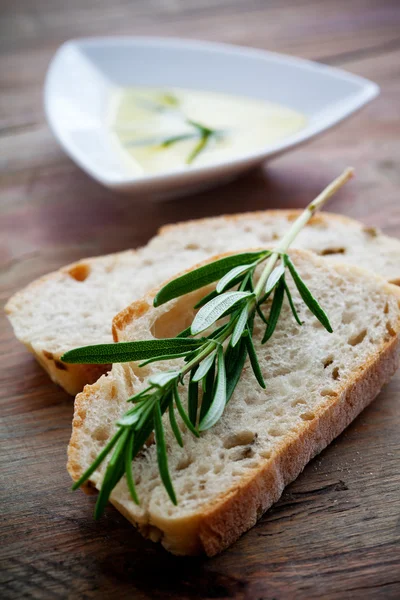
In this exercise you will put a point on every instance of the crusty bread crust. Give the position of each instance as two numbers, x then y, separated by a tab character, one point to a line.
70	377
237	510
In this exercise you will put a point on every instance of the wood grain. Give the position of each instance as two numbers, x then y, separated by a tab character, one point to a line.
336	531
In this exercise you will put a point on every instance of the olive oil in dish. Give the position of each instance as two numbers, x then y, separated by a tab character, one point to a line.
165	130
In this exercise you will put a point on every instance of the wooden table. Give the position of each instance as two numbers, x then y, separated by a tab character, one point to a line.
336	531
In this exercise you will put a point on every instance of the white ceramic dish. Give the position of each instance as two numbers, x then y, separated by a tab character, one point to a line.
85	72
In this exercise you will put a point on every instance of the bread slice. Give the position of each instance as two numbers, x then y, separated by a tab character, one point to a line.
317	383
75	305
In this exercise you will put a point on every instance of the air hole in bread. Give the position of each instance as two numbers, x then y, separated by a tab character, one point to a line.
251	464
187	487
184	463
239	438
154	533
275	432
253	400
386	309
328	251
335	373
150	440
372	231
307	416
281	371
242	453
60	365
101	434
328	361
79	272
218	468
357	338
347	317
298	401
203	469
328	392
278	412
265	453
192	246
390	329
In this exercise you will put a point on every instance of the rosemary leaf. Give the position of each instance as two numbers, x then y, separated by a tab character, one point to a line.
275	311
128	468
129	351
139	396
163	357
184	334
234	363
162	457
147	425
307	296
291	303
193	399
204	367
177	138
261	314
217	406
200	146
98	460
240	326
183	413
174	424
114	472
232	275
162	379
204	275
216	308
202	129
217	332
131	417
254	360
147	411
273	279
205	299
208	388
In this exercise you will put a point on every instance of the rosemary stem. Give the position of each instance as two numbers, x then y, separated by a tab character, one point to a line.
282	248
298	225
208	348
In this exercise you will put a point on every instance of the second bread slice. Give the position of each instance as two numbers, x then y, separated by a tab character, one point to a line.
317	383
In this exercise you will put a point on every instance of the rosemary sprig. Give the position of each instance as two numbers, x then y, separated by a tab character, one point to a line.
205	134
212	363
201	134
